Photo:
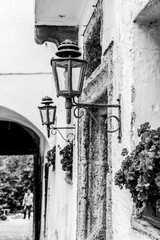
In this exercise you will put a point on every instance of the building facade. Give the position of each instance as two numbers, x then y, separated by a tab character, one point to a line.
120	41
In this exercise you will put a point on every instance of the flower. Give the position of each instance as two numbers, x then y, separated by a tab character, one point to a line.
140	170
67	157
51	156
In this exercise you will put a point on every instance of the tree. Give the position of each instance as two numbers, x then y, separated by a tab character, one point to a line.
16	176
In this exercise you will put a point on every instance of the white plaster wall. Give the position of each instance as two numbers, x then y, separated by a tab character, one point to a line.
146	72
136	63
19	52
62	197
136	76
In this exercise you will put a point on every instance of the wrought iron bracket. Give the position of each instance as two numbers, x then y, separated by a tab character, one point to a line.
88	106
70	136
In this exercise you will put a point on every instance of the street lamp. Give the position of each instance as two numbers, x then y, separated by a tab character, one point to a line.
48	117
69	74
47	113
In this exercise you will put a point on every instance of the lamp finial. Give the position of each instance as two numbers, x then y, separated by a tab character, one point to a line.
68	49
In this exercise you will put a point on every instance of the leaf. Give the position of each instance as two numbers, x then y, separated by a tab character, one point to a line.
140	170
157	181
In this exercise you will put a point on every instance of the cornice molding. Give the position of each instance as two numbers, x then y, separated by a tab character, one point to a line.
55	34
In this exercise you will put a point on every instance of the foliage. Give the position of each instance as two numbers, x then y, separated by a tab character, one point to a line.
92	49
140	170
67	159
16	176
51	157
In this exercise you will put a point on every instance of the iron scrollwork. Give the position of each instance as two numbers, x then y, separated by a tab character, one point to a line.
70	136
88	106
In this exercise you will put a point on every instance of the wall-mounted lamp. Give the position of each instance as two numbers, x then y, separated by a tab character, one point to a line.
69	74
48	117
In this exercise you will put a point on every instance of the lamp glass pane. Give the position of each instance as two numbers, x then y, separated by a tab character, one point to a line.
77	76
62	72
69	75
47	115
43	112
52	115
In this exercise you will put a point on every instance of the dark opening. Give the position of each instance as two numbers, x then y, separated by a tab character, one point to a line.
17	139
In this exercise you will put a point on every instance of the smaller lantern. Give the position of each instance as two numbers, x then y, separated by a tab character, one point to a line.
47	113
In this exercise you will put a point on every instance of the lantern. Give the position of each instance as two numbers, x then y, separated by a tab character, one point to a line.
47	113
69	73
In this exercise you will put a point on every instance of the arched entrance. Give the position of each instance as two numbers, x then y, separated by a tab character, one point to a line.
18	137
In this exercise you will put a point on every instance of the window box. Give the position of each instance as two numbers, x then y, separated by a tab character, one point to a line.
152	215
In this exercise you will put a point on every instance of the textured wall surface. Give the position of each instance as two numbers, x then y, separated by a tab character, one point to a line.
132	70
135	64
92	180
130	67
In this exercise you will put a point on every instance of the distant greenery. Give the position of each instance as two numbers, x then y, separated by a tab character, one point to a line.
16	176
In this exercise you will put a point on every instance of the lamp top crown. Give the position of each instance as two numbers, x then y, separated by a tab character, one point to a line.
68	49
47	100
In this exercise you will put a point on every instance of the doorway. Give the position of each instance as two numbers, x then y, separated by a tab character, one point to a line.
20	140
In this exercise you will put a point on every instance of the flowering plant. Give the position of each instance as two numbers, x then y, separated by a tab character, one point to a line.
67	161
140	170
67	157
51	157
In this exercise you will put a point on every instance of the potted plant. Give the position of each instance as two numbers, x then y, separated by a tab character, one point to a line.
140	170
51	157
67	160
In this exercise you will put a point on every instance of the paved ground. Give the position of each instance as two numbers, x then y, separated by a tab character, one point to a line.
16	228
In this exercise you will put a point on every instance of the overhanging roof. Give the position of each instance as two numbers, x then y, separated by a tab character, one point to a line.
59	12
53	18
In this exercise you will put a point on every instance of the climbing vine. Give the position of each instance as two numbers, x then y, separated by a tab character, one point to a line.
92	49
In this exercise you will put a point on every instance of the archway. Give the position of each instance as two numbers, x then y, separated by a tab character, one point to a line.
20	137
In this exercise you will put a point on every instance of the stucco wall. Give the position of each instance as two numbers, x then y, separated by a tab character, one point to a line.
130	67
136	78
62	196
136	73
